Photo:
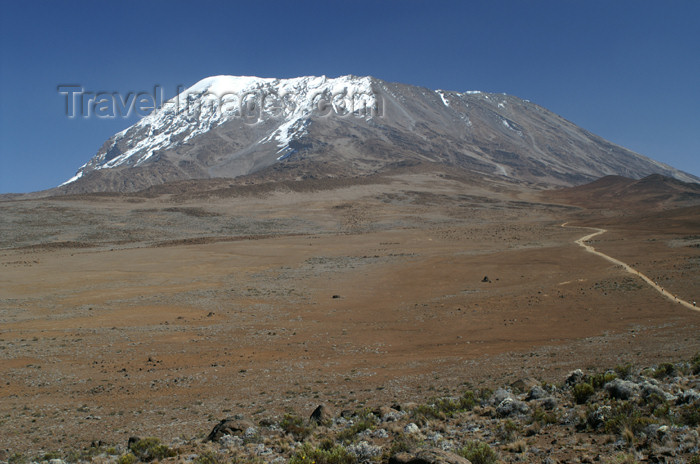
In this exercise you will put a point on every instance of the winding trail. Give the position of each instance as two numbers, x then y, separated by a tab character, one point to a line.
582	242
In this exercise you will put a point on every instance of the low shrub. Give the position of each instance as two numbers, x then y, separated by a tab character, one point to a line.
582	392
127	458
295	426
664	370
336	455
478	453
150	449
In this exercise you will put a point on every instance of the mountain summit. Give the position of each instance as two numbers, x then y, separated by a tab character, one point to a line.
230	126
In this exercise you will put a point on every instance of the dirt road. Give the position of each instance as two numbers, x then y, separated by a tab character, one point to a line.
582	242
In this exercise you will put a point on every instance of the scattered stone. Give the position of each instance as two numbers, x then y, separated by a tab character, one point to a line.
335	297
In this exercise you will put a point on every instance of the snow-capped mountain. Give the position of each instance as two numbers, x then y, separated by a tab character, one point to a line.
228	126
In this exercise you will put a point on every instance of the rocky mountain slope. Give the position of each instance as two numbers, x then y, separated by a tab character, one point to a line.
227	126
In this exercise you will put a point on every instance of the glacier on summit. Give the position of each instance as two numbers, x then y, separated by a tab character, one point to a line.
218	99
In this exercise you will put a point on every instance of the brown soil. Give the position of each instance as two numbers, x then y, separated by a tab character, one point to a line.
362	294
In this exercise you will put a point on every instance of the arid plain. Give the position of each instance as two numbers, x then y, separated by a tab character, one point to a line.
159	313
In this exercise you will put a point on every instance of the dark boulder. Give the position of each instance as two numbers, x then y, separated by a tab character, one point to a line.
228	427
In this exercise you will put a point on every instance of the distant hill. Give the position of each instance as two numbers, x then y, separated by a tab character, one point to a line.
651	193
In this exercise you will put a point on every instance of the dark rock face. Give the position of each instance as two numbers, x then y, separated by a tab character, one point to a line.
321	415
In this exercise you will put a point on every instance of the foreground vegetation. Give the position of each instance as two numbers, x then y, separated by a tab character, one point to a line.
624	415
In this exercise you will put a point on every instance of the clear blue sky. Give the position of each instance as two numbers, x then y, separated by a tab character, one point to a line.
626	70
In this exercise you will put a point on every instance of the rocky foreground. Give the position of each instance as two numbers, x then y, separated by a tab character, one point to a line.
623	415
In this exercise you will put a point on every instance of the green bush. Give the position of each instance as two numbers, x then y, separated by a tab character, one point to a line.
664	370
582	391
544	417
695	364
443	408
336	455
627	415
597	381
623	370
296	426
127	458
149	449
208	457
478	453
689	414
360	425
17	458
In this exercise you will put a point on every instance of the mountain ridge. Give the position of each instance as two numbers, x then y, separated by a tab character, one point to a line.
347	126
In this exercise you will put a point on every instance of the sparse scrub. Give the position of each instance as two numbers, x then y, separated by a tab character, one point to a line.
626	415
208	457
295	426
597	381
695	364
364	422
507	430
624	370
664	370
689	414
443	408
150	449
544	417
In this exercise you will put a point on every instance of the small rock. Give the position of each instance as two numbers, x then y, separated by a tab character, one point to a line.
486	279
411	428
